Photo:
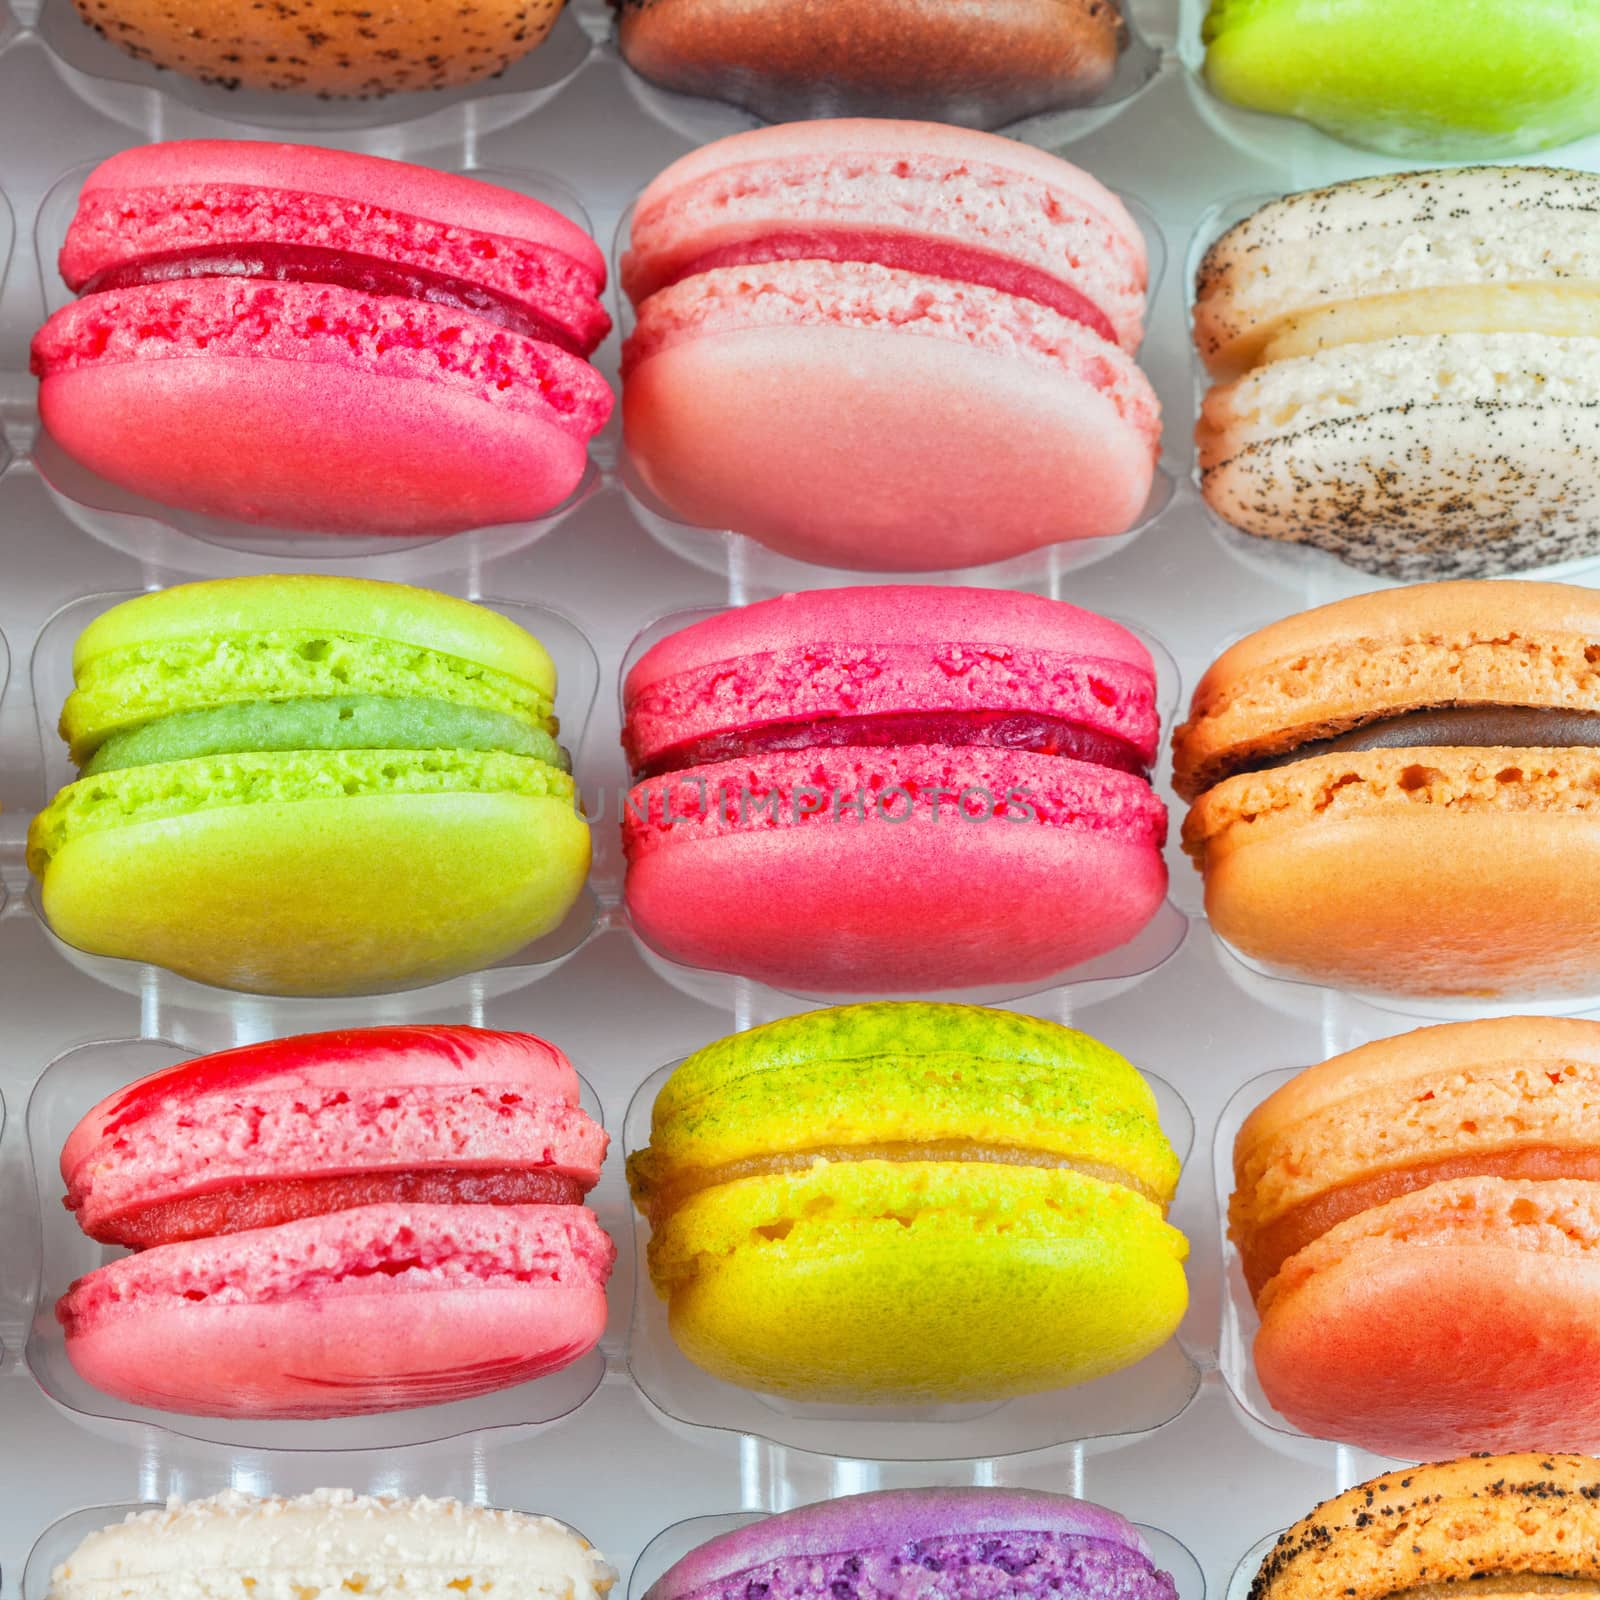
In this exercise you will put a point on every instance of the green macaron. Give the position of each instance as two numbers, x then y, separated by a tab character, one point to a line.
310	786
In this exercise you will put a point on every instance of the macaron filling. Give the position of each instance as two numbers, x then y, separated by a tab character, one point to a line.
986	1566
1039	733
343	269
906	252
351	722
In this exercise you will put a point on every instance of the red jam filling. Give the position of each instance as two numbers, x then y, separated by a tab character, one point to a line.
274	1201
1002	730
934	258
339	269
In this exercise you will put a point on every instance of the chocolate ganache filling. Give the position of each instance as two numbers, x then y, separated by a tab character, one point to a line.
1467	727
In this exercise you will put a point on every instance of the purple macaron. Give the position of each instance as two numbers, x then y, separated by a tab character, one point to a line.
958	1544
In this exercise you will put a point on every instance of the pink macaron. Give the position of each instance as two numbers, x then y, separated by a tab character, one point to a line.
337	1224
893	790
320	341
888	346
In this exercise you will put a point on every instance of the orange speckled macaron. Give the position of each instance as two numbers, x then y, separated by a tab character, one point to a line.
1400	792
1419	1221
1523	1525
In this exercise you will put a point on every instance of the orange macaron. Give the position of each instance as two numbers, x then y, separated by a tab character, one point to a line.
1400	792
1419	1223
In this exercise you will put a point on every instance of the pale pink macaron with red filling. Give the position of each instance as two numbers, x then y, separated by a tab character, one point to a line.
321	341
888	346
893	790
339	1223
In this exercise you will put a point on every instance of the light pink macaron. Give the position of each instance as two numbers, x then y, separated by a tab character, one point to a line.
888	346
338	1223
893	790
322	341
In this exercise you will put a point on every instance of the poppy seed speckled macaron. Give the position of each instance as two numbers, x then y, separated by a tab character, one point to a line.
321	48
983	64
964	1544
1407	370
1522	1525
1400	792
816	1186
1419	1222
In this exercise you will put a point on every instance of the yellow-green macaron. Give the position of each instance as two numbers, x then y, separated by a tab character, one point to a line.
905	1203
310	786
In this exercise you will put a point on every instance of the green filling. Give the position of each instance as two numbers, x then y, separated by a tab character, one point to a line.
125	689
137	795
352	722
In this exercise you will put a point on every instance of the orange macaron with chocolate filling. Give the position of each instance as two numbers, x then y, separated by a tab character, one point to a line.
1400	792
1419	1223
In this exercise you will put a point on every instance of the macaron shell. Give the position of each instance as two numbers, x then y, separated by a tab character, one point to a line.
1323	671
396	186
924	903
814	439
1441	456
1503	1516
1488	899
836	1284
890	1519
379	444
1464	1316
213	897
191	1328
993	63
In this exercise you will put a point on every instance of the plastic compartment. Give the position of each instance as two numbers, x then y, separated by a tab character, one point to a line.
168	538
1318	575
700	119
159	991
58	1542
71	1086
678	1540
750	569
1137	1399
164	105
1086	984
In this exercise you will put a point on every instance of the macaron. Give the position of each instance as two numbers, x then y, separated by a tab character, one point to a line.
327	1543
1433	79
338	1224
1510	1524
888	346
261	756
983	65
317	341
1419	1222
971	1541
911	1204
1405	370
893	790
1400	792
317	48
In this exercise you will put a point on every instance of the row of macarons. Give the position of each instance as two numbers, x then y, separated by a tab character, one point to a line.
873	791
376	1220
1517	76
1520	1524
870	345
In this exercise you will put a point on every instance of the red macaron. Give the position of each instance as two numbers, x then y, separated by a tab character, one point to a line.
321	341
339	1223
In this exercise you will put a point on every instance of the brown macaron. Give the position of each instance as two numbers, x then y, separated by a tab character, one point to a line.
321	47
1522	1525
983	63
1400	792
